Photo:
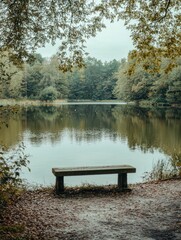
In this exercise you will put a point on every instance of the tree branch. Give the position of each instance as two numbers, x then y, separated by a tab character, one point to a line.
166	10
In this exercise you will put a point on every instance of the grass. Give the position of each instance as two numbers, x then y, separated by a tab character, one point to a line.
162	170
25	102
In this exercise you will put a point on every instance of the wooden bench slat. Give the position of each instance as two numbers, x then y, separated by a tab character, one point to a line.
93	170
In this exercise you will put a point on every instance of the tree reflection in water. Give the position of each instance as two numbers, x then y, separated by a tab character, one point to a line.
147	129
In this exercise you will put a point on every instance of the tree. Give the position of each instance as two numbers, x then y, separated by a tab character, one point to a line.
166	86
33	77
52	76
10	76
93	77
109	80
95	81
163	87
49	94
173	93
77	85
154	25
42	73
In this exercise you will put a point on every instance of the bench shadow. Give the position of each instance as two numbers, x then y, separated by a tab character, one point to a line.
87	191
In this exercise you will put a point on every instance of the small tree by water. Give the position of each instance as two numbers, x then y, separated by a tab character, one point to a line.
49	94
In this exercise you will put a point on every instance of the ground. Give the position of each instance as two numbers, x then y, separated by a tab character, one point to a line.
150	211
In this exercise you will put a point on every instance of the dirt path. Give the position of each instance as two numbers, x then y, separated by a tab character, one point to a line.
150	211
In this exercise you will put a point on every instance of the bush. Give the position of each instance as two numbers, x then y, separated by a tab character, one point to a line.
10	168
49	94
162	170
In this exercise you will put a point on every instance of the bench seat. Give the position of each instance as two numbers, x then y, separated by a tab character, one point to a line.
121	170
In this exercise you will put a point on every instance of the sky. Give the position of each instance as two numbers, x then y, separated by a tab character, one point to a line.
114	42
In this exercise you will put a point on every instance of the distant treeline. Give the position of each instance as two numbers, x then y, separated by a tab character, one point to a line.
137	81
127	80
43	80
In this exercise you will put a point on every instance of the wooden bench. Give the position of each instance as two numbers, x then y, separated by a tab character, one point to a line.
121	170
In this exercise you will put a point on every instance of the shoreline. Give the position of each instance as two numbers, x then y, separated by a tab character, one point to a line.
150	211
28	102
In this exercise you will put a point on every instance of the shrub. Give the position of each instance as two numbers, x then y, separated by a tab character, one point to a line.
162	170
49	94
10	168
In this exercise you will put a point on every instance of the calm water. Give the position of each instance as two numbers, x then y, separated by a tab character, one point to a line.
72	135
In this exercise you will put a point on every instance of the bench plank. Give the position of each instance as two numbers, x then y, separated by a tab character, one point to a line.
121	170
93	170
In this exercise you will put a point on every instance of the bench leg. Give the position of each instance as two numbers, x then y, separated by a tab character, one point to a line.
59	185
122	181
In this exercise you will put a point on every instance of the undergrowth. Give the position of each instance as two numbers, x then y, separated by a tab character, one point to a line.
163	170
11	186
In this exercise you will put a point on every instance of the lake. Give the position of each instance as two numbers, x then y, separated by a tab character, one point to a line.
89	134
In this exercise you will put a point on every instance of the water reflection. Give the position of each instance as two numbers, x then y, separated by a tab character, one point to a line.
107	133
150	128
84	122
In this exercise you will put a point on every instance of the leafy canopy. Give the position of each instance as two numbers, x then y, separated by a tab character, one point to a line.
26	25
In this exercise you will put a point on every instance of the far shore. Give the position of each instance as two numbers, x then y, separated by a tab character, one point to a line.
29	102
25	102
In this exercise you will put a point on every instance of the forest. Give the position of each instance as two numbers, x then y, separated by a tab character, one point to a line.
151	72
126	80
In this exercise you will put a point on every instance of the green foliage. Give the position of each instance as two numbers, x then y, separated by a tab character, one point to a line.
32	79
10	76
132	86
11	162
161	171
152	23
10	169
125	80
48	94
141	84
176	161
43	73
94	82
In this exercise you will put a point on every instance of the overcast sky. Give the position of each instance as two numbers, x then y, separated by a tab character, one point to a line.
114	42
